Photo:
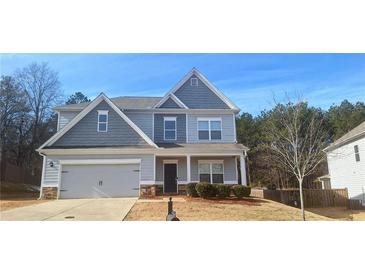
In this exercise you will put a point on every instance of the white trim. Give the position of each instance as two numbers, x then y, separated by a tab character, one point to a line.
195	79
178	101
209	120
103	112
186	128
58	120
164	162
243	170
235	161
89	108
202	78
188	168
147	182
100	162
211	162
231	182
153	126
169	118
173	98
234	127
43	174
170	161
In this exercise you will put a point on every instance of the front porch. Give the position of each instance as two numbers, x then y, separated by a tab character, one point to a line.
174	172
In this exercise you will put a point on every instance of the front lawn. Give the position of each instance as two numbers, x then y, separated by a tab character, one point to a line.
17	195
340	213
197	209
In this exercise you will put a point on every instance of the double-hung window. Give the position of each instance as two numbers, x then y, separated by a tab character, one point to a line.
209	128
357	153
211	172
169	128
102	120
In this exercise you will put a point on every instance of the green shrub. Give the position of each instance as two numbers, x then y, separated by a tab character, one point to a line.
206	190
223	191
191	190
241	191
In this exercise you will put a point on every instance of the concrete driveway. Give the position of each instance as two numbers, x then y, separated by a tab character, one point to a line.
109	209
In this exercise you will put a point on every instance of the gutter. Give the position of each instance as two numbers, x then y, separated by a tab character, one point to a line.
43	170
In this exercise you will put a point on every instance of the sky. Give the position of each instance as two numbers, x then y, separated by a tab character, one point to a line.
251	81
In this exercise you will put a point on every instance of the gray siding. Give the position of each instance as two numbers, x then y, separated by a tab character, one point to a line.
51	173
144	120
229	163
228	128
85	133
181	168
169	104
65	117
199	97
180	126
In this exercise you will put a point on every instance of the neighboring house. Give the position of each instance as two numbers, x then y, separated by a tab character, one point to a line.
346	163
130	146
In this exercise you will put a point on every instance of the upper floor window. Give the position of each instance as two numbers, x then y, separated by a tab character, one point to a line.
209	128
357	153
194	81
170	128
102	120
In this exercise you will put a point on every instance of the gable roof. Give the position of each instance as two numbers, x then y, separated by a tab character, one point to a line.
90	106
172	97
122	102
202	78
348	137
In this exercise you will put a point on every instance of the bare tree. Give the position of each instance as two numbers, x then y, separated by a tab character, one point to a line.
298	140
42	89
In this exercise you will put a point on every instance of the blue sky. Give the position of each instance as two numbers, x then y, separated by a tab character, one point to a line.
250	80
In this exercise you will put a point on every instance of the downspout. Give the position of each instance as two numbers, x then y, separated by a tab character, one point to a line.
43	170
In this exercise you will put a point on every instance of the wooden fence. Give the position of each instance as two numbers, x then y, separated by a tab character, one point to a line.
312	197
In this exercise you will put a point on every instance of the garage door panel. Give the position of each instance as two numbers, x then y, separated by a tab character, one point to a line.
93	181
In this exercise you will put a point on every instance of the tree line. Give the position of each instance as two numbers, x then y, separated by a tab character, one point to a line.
272	129
27	120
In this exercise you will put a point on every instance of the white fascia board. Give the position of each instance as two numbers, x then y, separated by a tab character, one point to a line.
86	110
100	162
98	151
178	101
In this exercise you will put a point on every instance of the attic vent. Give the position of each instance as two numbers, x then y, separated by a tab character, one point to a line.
194	81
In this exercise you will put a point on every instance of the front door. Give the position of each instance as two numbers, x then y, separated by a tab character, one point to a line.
170	178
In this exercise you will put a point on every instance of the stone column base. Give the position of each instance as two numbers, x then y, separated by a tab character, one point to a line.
49	193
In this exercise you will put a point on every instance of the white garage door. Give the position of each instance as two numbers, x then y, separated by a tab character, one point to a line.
99	181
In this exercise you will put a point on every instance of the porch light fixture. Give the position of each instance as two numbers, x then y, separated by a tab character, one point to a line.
51	164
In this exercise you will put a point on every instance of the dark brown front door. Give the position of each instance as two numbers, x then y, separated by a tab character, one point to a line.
170	178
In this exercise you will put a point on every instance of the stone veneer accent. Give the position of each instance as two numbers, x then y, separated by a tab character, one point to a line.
157	190
49	193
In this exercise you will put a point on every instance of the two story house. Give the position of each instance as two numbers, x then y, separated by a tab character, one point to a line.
138	146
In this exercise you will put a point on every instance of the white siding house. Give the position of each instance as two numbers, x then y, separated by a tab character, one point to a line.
346	163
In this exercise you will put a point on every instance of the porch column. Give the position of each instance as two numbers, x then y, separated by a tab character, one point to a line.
243	169
188	169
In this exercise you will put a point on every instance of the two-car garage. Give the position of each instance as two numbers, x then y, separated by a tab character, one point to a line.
99	178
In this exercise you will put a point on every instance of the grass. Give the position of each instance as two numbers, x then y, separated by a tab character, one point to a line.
17	195
197	209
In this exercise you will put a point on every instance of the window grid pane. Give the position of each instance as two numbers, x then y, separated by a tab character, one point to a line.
216	135
170	135
217	168
215	125
170	125
203	125
102	118
102	126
